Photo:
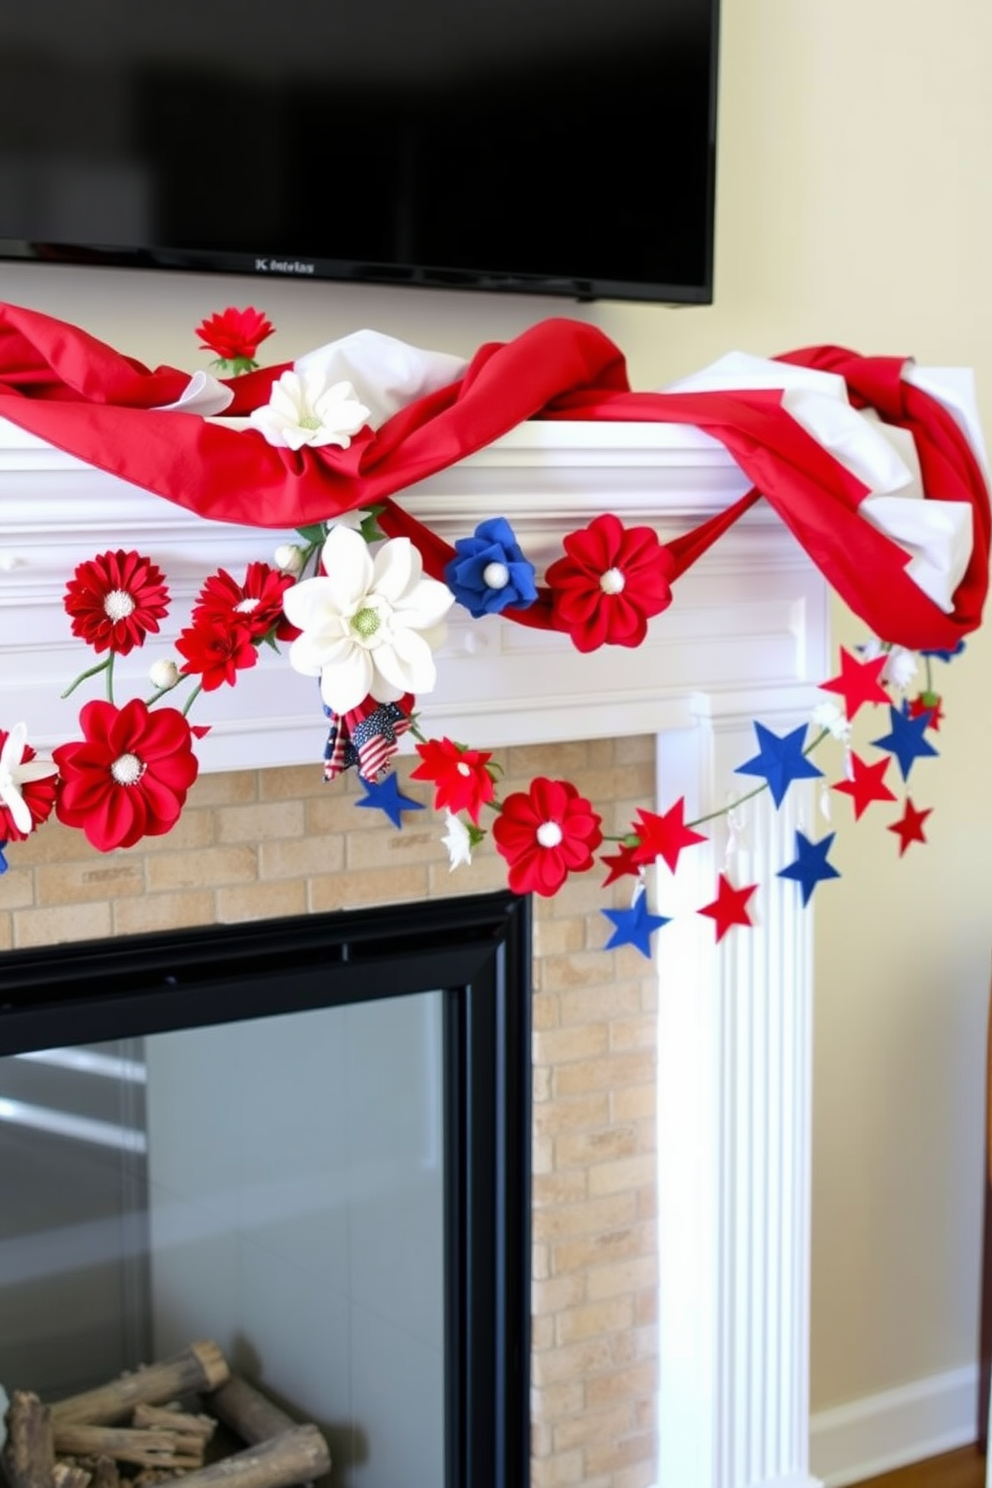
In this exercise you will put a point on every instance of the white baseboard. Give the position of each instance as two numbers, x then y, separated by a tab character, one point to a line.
881	1432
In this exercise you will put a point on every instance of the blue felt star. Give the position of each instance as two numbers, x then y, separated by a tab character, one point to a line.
811	864
384	795
780	760
634	926
906	740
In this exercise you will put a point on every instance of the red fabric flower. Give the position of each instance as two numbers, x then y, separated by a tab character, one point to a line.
115	599
462	779
38	795
610	583
545	834
255	602
216	651
234	335
129	777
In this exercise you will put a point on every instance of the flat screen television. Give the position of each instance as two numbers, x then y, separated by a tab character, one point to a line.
562	147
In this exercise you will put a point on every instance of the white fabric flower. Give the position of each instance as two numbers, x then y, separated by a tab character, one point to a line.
370	625
16	772
304	409
457	840
828	716
288	558
901	665
164	673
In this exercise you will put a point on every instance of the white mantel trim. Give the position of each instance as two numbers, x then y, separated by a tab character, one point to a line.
750	615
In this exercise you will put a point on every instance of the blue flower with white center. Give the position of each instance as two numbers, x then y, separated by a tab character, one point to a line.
490	573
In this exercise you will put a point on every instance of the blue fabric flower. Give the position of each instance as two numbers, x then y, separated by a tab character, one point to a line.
490	572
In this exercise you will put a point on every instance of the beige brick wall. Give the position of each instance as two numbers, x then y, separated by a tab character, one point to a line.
265	844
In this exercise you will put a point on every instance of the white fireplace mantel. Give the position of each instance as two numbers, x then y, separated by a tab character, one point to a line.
747	621
745	639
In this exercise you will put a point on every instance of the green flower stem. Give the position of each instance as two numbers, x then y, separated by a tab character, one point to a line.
631	839
94	671
192	698
758	789
110	678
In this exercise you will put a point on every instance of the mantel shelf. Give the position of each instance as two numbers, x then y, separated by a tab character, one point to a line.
750	617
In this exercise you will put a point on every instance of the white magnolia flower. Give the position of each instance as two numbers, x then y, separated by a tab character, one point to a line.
828	716
370	625
16	772
304	409
457	840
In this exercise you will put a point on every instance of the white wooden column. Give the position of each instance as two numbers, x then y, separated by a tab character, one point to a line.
734	1125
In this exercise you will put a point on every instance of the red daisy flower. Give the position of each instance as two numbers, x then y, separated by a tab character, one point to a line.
612	579
27	787
545	834
115	599
255	602
216	651
462	779
129	776
234	335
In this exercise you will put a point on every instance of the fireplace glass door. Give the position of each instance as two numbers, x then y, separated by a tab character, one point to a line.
309	1152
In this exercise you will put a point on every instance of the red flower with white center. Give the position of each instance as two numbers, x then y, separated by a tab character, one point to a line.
255	602
115	599
461	776
27	786
234	335
545	834
129	776
216	652
611	581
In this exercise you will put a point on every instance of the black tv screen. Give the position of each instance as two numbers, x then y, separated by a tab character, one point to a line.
547	146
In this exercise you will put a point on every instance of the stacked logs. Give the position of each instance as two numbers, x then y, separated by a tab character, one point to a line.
141	1430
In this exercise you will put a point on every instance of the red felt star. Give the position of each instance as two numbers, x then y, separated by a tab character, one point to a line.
928	702
730	906
620	863
858	682
868	784
664	836
910	827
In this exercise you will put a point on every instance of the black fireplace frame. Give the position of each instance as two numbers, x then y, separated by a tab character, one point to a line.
477	950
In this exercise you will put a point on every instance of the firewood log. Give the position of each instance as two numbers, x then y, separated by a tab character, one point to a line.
202	1367
249	1413
70	1475
106	1474
124	1444
295	1456
162	1418
28	1456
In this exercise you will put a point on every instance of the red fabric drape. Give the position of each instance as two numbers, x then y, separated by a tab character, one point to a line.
83	397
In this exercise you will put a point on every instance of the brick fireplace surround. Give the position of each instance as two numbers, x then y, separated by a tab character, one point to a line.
261	844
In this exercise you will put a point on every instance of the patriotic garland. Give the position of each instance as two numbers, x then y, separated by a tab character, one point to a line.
361	600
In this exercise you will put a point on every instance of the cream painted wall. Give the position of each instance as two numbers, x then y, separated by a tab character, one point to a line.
854	206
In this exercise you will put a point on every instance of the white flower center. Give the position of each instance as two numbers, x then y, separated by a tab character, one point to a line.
118	605
245	606
612	581
309	421
366	622
463	768
549	834
127	770
496	575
